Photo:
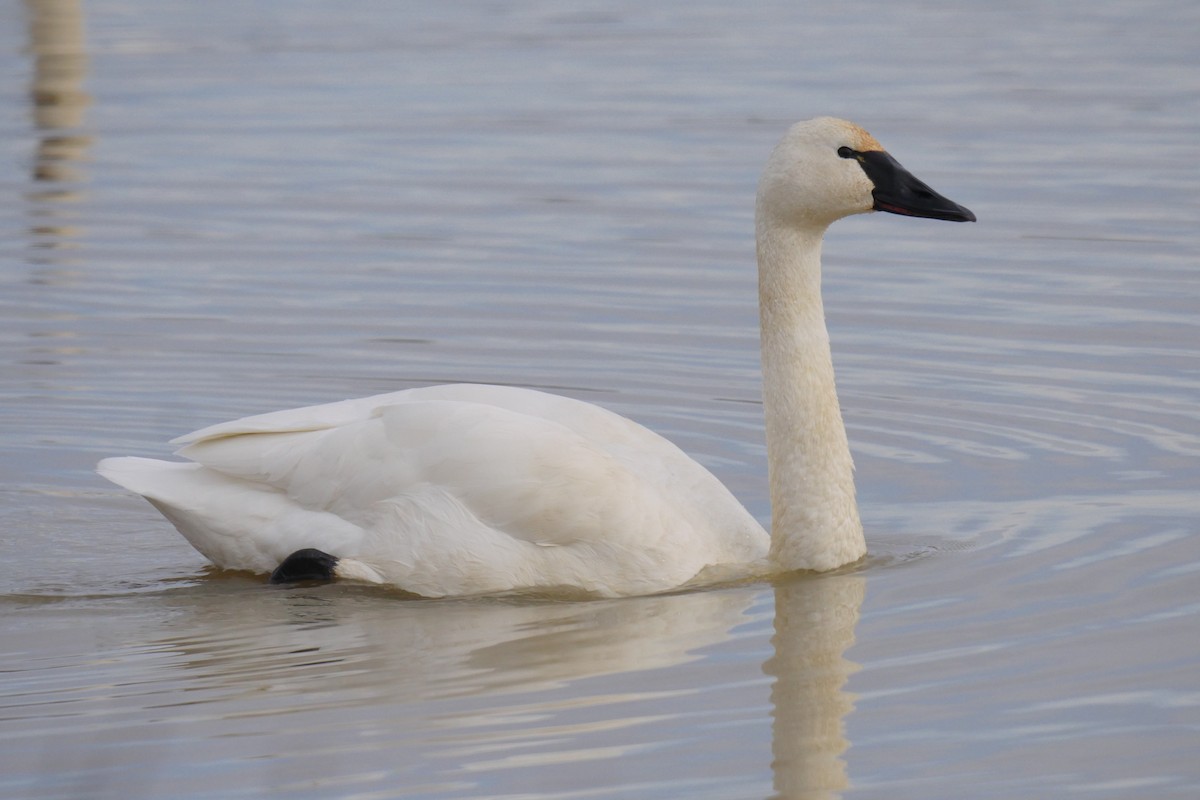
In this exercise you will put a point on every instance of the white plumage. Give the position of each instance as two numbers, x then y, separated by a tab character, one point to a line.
471	489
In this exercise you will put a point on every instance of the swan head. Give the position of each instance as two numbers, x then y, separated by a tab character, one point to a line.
825	169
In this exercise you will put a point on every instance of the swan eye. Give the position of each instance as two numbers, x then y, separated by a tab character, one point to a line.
846	152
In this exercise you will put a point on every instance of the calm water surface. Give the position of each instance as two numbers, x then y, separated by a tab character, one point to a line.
224	208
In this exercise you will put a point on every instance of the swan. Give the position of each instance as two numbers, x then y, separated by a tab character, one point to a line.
459	490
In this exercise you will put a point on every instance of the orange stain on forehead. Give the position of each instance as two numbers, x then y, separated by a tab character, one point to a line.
863	141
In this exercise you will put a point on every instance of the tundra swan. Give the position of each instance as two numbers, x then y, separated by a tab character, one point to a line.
470	489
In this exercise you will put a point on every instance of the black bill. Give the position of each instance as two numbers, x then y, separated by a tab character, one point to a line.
898	191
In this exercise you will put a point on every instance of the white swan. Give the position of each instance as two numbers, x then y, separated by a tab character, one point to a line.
461	490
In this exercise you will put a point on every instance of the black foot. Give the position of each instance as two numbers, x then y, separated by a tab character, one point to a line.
305	565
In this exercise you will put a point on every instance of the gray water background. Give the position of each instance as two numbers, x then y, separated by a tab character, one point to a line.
221	208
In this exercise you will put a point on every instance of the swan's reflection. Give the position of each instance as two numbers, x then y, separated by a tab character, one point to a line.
815	619
415	651
439	690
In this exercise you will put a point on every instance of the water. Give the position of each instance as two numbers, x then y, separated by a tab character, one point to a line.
224	208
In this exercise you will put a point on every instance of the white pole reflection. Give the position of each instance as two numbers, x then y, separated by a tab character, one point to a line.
59	103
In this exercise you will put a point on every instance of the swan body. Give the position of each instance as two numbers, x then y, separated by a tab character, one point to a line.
452	490
470	489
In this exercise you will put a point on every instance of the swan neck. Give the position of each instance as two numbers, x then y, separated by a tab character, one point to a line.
815	522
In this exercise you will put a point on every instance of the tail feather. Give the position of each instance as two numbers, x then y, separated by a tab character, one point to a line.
234	523
146	476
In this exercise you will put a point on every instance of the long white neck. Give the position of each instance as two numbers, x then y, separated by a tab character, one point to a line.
815	522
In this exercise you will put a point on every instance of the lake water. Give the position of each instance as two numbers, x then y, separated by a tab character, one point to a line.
215	209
